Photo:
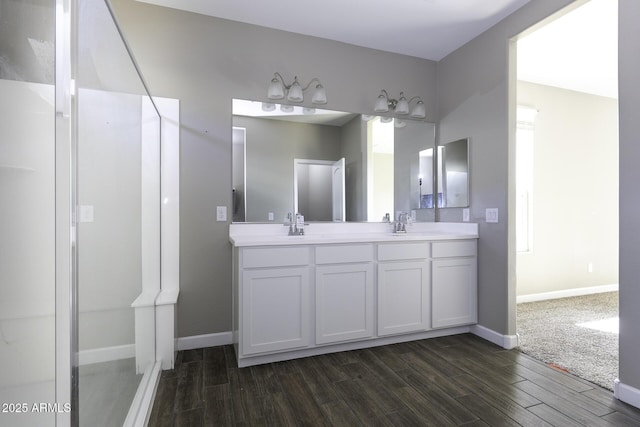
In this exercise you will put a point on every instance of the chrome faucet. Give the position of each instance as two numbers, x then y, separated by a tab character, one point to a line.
291	224
296	226
401	224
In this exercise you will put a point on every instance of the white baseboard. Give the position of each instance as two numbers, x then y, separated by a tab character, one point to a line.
207	340
626	393
106	354
226	338
567	293
348	346
505	341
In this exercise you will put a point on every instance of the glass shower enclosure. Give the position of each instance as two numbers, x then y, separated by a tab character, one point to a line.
79	217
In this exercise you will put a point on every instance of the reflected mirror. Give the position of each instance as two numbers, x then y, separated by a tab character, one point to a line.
453	174
377	158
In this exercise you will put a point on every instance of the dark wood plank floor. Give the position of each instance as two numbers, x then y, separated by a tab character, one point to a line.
460	380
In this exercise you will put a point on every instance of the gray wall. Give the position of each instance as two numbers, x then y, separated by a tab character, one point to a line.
629	130
575	187
475	99
205	62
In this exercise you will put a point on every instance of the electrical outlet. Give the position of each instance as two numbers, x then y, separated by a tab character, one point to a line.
86	213
465	214
221	213
491	215
270	216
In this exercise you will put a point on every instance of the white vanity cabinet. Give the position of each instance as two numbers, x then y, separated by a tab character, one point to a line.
404	287
454	283
276	297
298	296
344	298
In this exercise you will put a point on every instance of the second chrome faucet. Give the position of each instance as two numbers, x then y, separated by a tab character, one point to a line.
296	225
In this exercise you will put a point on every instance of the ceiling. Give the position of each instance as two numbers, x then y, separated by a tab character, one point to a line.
429	29
577	51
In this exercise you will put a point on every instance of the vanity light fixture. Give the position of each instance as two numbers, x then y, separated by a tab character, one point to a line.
294	92
399	106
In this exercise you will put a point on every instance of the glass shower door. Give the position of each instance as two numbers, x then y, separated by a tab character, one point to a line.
27	203
118	221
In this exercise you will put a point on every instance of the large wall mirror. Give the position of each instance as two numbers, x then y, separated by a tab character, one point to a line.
328	165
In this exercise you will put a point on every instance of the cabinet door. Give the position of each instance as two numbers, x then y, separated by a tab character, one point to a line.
275	309
455	292
403	297
344	302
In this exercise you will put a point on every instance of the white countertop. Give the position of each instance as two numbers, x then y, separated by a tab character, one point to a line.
330	233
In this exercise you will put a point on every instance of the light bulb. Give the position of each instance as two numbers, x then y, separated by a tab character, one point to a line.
276	89
295	91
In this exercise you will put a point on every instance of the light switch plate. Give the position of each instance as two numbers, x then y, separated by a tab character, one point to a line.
221	213
465	214
270	216
491	215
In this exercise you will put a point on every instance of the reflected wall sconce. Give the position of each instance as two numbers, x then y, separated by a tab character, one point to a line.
400	106
279	89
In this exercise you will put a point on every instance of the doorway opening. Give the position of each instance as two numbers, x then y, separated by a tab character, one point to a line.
380	168
566	173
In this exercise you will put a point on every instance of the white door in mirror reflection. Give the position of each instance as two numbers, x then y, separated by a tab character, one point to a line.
319	189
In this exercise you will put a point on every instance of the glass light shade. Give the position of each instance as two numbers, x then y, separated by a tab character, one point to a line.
268	106
386	119
382	104
295	92
276	89
402	107
319	95
307	110
286	108
399	123
419	111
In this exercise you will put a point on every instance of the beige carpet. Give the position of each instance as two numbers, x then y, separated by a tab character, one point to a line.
549	331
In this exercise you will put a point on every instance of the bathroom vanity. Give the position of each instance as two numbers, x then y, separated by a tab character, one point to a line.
347	286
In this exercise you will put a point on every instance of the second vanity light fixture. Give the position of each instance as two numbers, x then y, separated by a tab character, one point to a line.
399	106
294	92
